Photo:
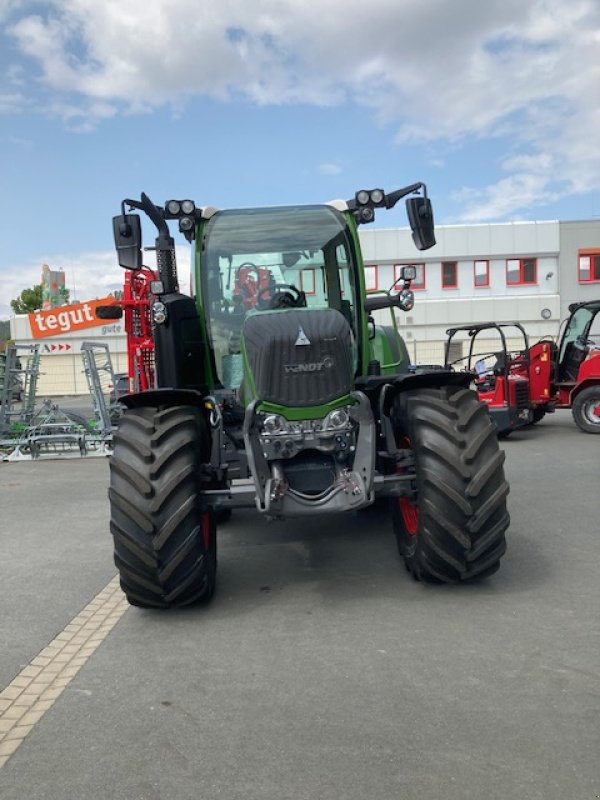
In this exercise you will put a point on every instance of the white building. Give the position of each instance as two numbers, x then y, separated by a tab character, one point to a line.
518	271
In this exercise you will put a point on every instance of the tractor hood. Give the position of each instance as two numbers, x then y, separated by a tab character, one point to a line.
297	358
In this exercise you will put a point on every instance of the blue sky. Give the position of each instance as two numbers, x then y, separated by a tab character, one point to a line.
495	105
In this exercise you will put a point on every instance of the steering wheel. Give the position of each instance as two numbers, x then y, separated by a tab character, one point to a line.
583	342
281	295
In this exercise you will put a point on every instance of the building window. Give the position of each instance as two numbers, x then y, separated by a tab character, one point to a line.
419	281
449	275
371	278
481	273
589	266
307	281
521	271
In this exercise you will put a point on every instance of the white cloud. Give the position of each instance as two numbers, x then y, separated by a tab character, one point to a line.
12	103
87	275
439	72
8	6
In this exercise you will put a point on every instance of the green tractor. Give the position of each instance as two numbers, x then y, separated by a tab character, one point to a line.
277	390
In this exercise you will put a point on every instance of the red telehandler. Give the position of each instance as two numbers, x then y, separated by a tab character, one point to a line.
520	387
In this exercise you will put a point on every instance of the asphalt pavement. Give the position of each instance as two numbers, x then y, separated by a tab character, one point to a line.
321	670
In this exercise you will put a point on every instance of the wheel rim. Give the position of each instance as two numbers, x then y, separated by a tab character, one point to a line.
591	411
206	533
409	510
410	515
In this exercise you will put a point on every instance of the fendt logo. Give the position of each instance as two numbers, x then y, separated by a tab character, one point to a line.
310	366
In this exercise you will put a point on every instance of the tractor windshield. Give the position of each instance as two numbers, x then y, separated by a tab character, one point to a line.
257	260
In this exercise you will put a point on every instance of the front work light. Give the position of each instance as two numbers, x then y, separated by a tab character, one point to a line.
174	207
157	287
188	206
408	273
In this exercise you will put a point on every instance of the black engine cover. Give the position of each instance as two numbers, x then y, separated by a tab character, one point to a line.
299	357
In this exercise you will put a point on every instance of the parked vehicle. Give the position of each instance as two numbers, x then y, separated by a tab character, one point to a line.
289	382
521	387
500	376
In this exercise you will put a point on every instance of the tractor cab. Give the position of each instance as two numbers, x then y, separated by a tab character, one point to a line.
259	262
579	343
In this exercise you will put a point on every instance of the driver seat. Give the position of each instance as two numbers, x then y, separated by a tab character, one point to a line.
575	353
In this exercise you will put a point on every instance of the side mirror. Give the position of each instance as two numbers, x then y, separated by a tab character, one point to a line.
420	218
127	231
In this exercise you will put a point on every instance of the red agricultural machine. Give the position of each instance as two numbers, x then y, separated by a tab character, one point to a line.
521	386
135	307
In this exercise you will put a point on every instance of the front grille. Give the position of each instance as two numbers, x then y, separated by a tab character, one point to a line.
522	395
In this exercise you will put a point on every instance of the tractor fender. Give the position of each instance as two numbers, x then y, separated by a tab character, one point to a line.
429	379
163	397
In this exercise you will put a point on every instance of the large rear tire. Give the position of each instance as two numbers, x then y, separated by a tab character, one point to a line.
453	529
164	535
586	410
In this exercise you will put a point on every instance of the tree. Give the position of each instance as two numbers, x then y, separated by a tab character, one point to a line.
64	295
29	300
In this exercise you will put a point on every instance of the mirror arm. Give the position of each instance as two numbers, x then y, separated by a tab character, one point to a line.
376	302
392	198
165	244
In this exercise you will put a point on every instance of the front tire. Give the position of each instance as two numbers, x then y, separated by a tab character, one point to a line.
586	410
164	535
537	415
453	528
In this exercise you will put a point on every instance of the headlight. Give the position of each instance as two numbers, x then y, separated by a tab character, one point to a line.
337	419
362	197
174	207
273	424
159	312
377	196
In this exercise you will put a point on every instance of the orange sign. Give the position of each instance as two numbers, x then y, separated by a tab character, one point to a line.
67	319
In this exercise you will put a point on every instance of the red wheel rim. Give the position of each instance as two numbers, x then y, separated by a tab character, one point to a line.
410	515
205	522
408	510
